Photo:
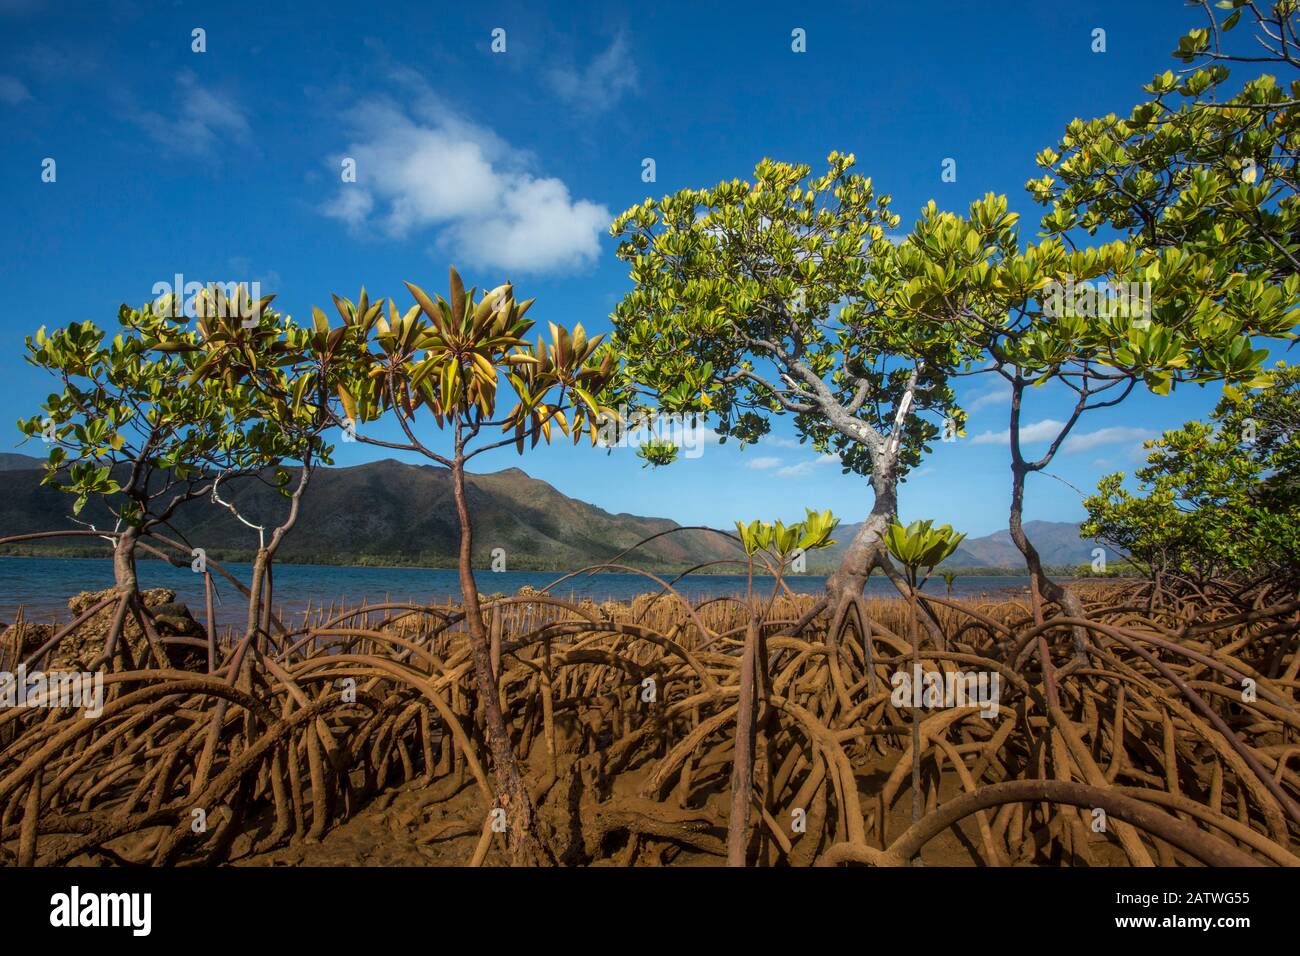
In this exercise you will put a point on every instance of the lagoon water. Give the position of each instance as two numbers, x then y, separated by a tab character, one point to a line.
42	586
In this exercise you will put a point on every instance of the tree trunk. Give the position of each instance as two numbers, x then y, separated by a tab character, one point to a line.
511	793
128	586
124	575
868	551
742	767
255	594
1040	584
916	718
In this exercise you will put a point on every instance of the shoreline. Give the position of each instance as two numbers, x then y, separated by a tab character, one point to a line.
240	558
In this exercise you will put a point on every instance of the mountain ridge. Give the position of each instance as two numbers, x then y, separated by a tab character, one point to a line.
394	512
384	512
1058	544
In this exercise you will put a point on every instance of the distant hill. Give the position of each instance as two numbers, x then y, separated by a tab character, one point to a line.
389	512
12	462
1058	543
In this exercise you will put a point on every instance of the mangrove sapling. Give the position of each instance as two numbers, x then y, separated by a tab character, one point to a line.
279	371
775	543
919	546
267	371
949	576
131	431
444	359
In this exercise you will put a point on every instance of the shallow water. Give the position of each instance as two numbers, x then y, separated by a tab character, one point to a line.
42	586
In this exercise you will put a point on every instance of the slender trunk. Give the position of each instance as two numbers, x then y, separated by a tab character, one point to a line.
255	594
511	794
742	767
128	586
260	594
912	638
212	628
237	674
267	553
1040	584
268	595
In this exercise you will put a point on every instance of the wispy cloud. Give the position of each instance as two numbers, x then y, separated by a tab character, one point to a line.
763	464
1138	454
804	468
1045	430
1049	428
776	441
995	396
1117	435
66	59
203	117
427	168
597	87
13	91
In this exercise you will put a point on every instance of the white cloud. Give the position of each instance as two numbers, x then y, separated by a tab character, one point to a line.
776	441
995	396
763	464
201	120
537	228
350	205
1104	436
13	91
807	467
1049	428
1138	454
599	86
1045	430
433	170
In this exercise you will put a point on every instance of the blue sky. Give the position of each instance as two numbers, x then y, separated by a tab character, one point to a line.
225	165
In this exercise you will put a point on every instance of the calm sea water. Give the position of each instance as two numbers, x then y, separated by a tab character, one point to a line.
42	585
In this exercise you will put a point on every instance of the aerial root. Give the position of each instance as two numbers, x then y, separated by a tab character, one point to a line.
1174	743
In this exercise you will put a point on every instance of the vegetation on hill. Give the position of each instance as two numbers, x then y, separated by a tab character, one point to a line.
392	513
